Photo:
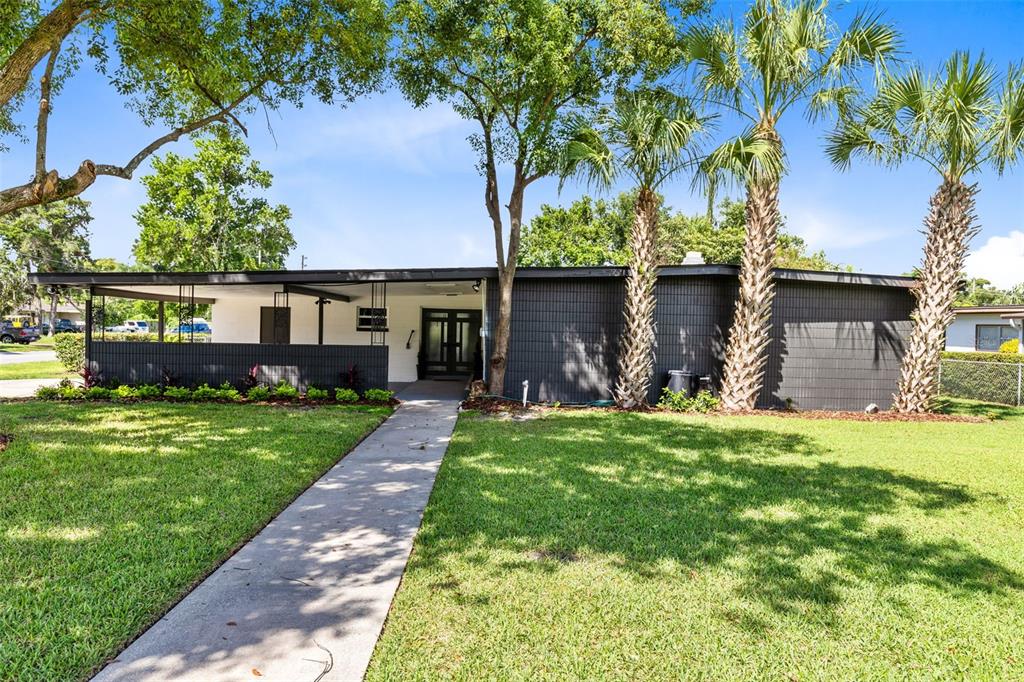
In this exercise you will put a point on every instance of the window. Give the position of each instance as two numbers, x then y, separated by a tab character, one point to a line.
371	319
989	337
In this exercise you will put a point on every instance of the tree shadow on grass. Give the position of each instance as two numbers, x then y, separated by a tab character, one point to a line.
648	493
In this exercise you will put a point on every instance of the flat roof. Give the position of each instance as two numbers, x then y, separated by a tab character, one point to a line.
989	309
86	279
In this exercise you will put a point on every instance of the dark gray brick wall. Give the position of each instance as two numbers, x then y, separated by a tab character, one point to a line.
834	346
214	363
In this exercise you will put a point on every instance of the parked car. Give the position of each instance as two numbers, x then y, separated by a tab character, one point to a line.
136	326
11	334
61	327
196	327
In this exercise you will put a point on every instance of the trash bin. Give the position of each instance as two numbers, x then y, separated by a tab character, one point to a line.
678	380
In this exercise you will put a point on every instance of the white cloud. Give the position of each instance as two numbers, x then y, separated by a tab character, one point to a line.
1000	260
823	229
384	130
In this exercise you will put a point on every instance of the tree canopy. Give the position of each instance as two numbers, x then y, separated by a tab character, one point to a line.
979	291
181	65
201	212
594	232
49	238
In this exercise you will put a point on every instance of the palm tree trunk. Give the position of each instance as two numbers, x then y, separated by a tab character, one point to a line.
949	227
745	354
636	345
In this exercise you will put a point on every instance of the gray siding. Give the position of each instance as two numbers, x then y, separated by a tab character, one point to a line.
834	346
214	363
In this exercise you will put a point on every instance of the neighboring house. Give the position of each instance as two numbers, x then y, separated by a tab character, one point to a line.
65	311
836	343
985	328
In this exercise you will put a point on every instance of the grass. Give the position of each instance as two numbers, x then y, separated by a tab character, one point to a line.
44	343
600	545
34	370
108	514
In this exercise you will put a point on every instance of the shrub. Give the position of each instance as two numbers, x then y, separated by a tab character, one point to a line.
124	393
258	393
70	349
96	393
972	356
285	391
317	394
177	393
378	395
204	392
69	392
48	393
1010	346
228	392
148	391
678	401
345	395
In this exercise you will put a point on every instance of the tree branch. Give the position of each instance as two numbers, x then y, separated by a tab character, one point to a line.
54	188
51	30
42	122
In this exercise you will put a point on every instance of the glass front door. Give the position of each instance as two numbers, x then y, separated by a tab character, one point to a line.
451	341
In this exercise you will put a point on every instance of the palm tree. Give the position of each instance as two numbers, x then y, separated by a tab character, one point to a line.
786	53
957	122
647	136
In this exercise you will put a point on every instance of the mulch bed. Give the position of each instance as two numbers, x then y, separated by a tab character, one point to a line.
858	416
499	406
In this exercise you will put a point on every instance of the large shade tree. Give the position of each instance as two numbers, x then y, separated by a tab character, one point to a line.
958	122
205	212
785	55
593	231
49	238
181	65
517	69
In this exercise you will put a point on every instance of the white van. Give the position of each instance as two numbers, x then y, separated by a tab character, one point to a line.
136	326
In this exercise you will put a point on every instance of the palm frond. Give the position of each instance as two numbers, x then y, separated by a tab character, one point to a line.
740	160
713	48
867	40
1008	127
586	155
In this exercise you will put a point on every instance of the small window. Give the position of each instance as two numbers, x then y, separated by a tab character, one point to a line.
988	337
371	319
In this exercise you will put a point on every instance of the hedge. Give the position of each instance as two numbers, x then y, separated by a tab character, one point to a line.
70	349
1012	358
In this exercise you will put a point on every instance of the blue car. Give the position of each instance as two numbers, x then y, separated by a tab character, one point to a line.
194	328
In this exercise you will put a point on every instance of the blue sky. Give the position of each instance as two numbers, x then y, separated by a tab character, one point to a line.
380	184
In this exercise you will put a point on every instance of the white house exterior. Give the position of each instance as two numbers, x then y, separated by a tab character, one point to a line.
985	328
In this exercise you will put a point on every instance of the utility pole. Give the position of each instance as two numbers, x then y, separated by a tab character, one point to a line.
303	265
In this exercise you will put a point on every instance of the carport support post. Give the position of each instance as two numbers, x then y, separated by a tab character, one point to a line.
320	303
160	321
88	327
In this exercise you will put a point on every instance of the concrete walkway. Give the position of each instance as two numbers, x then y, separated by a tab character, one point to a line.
313	588
16	357
23	388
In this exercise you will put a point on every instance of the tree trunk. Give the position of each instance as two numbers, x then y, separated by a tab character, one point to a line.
745	353
949	227
506	278
53	311
636	345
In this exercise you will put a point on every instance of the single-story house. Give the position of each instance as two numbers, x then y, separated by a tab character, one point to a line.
65	311
985	328
836	343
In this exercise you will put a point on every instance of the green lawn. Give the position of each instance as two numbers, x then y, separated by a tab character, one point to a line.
34	370
602	545
108	514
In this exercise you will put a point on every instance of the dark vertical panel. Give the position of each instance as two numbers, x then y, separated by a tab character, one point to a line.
301	365
835	346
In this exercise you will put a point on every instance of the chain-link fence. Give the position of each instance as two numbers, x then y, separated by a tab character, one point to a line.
994	382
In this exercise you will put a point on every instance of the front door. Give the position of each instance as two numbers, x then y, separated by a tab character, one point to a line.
451	341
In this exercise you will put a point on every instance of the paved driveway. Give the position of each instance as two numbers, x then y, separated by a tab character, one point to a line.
306	599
